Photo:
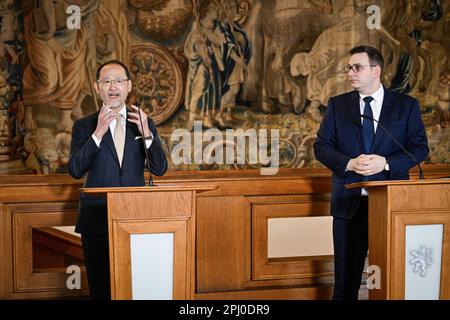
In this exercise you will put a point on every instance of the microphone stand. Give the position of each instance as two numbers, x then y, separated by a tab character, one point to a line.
144	139
421	176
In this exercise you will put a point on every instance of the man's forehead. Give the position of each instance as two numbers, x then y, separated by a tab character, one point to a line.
112	70
361	58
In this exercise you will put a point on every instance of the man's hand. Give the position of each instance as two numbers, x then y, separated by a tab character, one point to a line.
134	118
104	119
367	164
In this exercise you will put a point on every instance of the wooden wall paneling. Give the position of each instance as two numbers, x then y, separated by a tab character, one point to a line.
16	189
40	193
24	217
311	267
144	212
287	293
121	254
52	247
247	206
240	186
432	196
222	244
120	261
6	263
163	204
191	249
389	203
445	266
433	199
379	242
400	220
232	200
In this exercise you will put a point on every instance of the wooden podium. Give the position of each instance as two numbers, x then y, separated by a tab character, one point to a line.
409	224
151	240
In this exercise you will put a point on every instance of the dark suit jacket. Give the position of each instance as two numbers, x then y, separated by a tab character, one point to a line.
340	138
100	167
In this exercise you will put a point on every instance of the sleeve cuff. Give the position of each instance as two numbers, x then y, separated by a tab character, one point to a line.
97	142
149	139
148	143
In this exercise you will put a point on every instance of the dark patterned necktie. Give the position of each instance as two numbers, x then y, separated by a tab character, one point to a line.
368	128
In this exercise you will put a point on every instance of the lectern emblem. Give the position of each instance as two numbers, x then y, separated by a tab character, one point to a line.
421	260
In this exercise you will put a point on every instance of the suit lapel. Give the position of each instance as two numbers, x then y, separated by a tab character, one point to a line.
355	118
129	139
109	142
107	139
385	117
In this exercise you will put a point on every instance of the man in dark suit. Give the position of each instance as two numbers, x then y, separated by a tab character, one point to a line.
107	149
355	149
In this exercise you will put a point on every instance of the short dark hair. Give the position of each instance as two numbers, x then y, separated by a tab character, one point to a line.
127	72
375	57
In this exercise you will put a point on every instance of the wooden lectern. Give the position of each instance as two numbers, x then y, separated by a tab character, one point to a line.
164	214
409	225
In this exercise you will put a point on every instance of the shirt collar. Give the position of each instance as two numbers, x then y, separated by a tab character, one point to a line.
377	95
123	111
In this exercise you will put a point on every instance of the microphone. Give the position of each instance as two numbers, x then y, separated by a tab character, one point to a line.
144	139
421	176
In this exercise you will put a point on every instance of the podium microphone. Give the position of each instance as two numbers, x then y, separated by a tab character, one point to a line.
421	176
144	139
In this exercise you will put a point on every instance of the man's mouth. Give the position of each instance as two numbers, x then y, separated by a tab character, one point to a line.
113	95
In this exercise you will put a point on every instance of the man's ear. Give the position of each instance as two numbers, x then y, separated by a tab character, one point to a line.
378	71
129	85
96	88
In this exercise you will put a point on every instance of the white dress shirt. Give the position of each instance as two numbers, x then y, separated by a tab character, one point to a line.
376	105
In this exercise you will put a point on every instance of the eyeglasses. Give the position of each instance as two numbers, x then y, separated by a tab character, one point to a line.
357	67
107	83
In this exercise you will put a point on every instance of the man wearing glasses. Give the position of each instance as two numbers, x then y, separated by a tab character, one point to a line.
354	150
107	149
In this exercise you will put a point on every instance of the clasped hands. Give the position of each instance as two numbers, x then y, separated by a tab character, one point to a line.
367	164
